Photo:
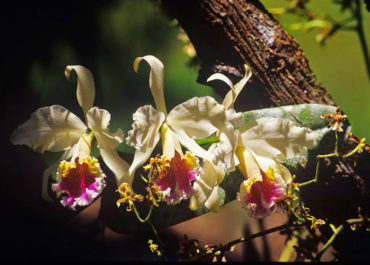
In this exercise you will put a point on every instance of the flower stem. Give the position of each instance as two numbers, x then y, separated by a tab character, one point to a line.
243	239
146	220
357	220
138	215
329	242
354	151
294	213
316	176
336	144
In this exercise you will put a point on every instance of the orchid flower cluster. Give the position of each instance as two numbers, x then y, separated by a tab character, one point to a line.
184	169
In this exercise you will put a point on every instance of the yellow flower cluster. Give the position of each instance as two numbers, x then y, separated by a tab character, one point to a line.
128	196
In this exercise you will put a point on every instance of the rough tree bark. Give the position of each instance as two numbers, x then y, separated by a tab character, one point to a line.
229	33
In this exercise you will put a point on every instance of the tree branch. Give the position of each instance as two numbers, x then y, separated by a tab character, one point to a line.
230	33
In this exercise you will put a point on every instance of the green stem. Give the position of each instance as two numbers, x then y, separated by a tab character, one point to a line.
328	155
361	34
335	154
208	140
336	144
138	215
294	213
354	151
357	220
316	176
146	220
228	245
329	242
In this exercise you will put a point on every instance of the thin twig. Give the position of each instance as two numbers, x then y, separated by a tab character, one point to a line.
361	34
244	239
329	242
316	176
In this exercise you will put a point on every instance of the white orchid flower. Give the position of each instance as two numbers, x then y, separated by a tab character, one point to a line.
206	187
262	146
55	129
196	118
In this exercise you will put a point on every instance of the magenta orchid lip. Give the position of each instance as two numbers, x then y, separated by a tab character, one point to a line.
175	180
260	200
82	181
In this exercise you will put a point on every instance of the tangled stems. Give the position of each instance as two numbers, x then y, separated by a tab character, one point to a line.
357	149
336	231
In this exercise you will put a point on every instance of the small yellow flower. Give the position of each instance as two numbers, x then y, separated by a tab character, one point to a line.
128	196
335	120
154	247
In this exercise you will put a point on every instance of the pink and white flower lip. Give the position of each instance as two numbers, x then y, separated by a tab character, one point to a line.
259	197
82	181
175	179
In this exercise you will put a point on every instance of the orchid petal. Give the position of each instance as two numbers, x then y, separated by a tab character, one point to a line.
212	201
205	187
275	137
281	172
147	122
155	80
248	165
192	146
234	90
98	121
51	128
85	86
115	163
200	117
145	134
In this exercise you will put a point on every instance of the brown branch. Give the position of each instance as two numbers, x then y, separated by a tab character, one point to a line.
229	33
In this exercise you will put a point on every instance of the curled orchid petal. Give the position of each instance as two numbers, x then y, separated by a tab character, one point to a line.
234	90
85	86
156	77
